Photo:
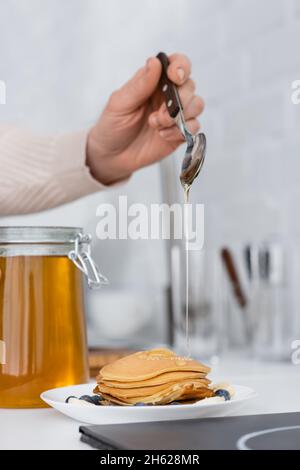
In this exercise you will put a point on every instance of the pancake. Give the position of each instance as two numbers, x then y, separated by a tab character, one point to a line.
155	377
167	377
124	393
148	364
188	392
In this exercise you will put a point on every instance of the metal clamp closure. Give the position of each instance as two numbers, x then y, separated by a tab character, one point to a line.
81	257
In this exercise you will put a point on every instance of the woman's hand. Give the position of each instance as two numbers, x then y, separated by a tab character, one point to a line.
135	128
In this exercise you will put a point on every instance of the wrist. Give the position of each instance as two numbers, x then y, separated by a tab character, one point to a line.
106	169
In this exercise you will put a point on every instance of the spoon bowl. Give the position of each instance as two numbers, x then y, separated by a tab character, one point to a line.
193	160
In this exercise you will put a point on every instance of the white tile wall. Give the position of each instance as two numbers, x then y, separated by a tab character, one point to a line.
62	58
246	20
255	149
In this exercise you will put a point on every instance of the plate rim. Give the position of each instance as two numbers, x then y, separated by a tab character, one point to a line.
201	403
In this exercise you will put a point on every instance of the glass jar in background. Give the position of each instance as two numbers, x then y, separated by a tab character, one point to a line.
237	327
276	306
42	324
205	301
243	298
262	301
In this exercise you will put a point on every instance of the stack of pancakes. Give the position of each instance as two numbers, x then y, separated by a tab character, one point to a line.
155	377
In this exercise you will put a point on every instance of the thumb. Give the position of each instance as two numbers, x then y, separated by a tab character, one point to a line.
140	87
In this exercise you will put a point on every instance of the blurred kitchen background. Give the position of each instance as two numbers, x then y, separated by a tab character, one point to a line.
62	59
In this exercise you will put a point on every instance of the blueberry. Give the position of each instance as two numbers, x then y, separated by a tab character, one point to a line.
140	403
175	403
69	398
94	399
223	393
97	399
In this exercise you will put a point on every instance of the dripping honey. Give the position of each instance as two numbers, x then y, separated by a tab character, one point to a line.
186	189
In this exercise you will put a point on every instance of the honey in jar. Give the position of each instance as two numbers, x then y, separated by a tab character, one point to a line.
42	325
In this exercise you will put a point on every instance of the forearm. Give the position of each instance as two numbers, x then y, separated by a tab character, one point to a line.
38	173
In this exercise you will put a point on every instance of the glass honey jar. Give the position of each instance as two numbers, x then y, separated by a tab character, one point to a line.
42	325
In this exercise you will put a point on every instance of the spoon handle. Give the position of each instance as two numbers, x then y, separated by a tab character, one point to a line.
168	88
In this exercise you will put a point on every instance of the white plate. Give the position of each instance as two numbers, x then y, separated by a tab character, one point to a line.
134	414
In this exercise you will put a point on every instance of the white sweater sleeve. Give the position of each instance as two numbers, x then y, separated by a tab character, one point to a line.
38	173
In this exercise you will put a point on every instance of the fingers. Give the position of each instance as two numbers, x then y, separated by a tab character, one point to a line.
174	134
193	107
143	84
186	93
179	69
138	89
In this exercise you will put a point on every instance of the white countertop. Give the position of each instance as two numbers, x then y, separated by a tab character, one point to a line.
278	387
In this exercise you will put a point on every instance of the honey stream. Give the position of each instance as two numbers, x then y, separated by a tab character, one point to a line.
186	189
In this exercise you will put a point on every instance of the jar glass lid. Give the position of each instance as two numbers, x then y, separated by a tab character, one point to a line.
53	241
38	235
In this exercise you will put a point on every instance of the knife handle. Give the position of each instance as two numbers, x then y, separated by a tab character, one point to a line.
168	88
233	277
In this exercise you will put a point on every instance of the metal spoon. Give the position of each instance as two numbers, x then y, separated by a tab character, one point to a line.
196	144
